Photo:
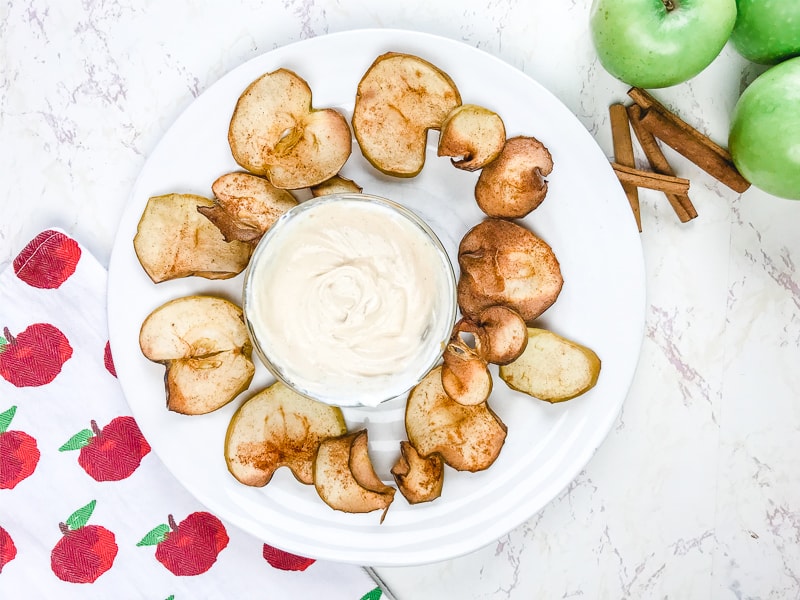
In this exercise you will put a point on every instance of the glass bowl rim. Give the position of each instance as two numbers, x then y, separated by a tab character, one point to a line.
303	207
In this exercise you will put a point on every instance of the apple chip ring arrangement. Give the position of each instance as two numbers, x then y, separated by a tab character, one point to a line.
507	278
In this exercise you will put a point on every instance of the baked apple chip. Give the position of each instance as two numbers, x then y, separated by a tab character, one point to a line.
345	479
275	131
502	334
245	206
473	136
202	342
504	263
514	183
399	98
336	185
278	428
465	373
173	240
418	479
552	368
468	438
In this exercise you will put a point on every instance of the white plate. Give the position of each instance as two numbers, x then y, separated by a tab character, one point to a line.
585	218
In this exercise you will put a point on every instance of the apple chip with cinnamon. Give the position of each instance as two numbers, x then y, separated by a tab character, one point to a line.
245	206
465	373
419	479
498	335
400	98
502	263
275	131
345	478
514	183
173	240
473	136
468	438
275	428
203	344
337	184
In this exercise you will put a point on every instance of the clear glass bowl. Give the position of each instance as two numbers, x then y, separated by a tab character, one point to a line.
350	299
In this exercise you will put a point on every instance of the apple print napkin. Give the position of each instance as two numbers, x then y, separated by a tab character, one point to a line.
86	508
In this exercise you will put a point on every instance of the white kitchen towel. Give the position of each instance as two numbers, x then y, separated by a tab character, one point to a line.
87	510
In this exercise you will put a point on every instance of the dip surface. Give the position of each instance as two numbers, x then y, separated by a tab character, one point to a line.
350	300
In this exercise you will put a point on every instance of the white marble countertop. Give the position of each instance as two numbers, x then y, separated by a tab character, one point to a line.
694	493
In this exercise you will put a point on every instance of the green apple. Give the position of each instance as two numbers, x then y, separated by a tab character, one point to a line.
765	131
658	43
767	31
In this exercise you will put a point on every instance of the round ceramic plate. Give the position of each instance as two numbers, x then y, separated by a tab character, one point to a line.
585	218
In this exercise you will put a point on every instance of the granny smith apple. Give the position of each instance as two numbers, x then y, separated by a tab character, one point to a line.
767	31
658	43
765	131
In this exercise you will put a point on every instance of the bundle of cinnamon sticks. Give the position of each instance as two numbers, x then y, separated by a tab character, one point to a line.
651	121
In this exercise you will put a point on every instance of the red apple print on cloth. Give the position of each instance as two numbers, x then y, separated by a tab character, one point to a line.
33	357
190	547
7	549
111	453
19	454
85	552
48	260
285	561
108	360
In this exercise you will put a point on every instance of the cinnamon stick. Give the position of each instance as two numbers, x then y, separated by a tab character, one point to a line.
623	154
688	141
646	101
681	203
648	179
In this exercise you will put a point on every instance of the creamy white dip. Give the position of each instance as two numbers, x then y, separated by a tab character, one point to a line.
350	300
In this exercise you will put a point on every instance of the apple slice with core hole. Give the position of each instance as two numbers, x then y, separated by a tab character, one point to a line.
203	343
276	132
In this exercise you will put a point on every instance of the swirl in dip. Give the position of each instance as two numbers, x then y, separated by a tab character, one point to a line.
350	299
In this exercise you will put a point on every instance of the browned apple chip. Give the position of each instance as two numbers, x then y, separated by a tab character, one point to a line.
278	428
336	185
399	98
465	374
245	206
472	135
514	183
173	240
345	479
468	438
418	479
503	334
202	342
504	263
276	132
